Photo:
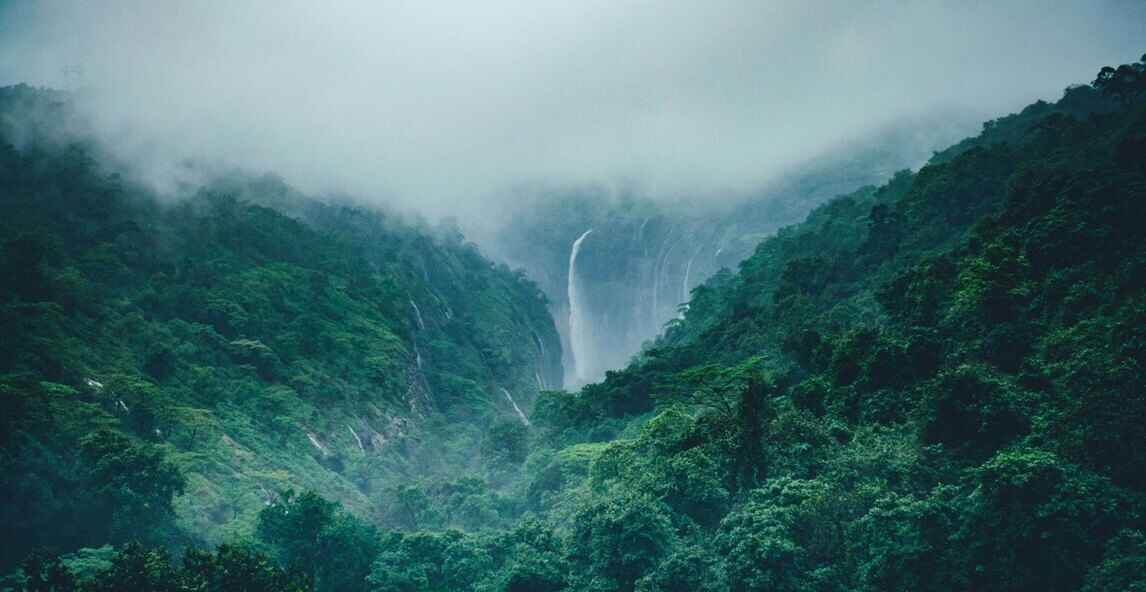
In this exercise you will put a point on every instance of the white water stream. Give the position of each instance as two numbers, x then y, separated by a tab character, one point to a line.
418	314
516	409
582	365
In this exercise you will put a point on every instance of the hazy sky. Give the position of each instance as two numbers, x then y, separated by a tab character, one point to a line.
437	104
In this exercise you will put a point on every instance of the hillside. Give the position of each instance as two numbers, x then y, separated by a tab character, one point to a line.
935	383
931	384
231	345
647	251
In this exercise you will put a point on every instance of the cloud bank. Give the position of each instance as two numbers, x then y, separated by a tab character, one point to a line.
439	105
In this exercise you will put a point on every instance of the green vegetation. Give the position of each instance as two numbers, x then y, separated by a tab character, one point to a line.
934	384
167	369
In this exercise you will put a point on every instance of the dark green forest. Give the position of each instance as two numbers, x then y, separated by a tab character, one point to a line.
933	384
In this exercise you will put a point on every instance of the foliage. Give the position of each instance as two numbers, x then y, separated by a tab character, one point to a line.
933	384
170	363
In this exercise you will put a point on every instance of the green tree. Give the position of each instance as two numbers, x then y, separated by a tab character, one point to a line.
620	539
132	487
233	567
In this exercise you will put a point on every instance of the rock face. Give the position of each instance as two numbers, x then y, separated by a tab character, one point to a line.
617	285
632	277
636	258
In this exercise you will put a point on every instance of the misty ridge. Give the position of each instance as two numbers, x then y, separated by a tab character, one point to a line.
444	109
477	116
572	296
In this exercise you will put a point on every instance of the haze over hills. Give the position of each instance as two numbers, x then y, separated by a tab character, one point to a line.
572	297
442	109
261	339
647	253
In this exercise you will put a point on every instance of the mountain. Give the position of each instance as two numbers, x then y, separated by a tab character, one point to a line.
644	255
931	384
240	341
934	384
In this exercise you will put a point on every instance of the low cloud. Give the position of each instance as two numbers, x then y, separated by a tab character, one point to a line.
440	106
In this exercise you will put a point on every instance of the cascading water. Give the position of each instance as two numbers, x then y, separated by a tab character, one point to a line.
577	336
658	271
540	344
541	384
656	289
418	314
516	409
356	438
446	310
641	234
684	284
416	385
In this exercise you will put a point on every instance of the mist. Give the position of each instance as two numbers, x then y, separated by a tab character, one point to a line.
440	107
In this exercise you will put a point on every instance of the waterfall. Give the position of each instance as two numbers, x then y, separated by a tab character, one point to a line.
356	438
656	288
445	307
416	385
540	344
662	263
580	353
516	409
315	442
418	314
641	235
684	285
541	360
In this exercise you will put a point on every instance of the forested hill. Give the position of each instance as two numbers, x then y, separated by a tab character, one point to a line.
934	384
231	345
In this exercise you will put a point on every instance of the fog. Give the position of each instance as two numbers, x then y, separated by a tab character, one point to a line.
441	106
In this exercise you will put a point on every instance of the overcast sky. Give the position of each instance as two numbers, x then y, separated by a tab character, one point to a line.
439	104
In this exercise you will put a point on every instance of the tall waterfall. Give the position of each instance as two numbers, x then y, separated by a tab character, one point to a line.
577	337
